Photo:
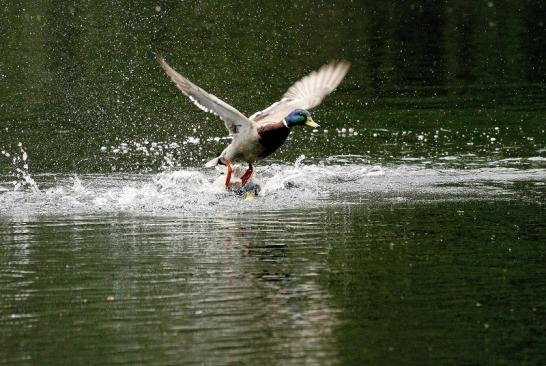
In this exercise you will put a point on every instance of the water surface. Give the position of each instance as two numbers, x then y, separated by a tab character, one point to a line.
409	229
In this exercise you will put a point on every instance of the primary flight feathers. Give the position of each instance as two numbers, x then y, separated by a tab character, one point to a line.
233	119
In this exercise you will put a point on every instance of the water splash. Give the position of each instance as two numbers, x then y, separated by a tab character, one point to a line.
199	191
146	155
20	169
299	160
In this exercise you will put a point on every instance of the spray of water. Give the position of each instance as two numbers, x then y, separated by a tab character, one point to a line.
20	169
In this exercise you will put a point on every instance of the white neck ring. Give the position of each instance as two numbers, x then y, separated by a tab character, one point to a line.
284	123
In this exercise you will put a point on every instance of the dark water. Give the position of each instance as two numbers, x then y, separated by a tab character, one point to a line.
435	283
409	229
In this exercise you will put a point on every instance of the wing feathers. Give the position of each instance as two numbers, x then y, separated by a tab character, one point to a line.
233	119
306	93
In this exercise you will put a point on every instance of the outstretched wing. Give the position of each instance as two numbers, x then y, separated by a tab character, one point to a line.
306	93
234	120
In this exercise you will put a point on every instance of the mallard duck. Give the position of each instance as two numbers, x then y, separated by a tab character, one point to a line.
261	134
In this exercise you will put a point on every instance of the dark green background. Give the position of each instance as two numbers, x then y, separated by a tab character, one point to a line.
75	76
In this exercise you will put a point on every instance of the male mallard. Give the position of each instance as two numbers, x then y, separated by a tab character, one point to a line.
264	132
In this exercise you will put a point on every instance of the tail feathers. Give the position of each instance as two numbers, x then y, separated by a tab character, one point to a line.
212	162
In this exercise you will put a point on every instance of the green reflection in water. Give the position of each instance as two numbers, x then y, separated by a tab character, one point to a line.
450	283
414	283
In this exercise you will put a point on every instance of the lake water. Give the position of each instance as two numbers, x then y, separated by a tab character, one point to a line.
408	229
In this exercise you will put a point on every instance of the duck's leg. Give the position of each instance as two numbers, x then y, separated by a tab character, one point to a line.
228	174
247	175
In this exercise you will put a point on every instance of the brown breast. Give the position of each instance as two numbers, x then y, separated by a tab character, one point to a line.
272	136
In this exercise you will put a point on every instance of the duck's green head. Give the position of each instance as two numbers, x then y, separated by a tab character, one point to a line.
300	117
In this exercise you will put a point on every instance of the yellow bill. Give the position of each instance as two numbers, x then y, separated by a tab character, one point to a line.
311	123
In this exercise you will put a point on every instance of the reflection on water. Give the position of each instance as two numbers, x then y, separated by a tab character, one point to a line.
193	289
407	282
